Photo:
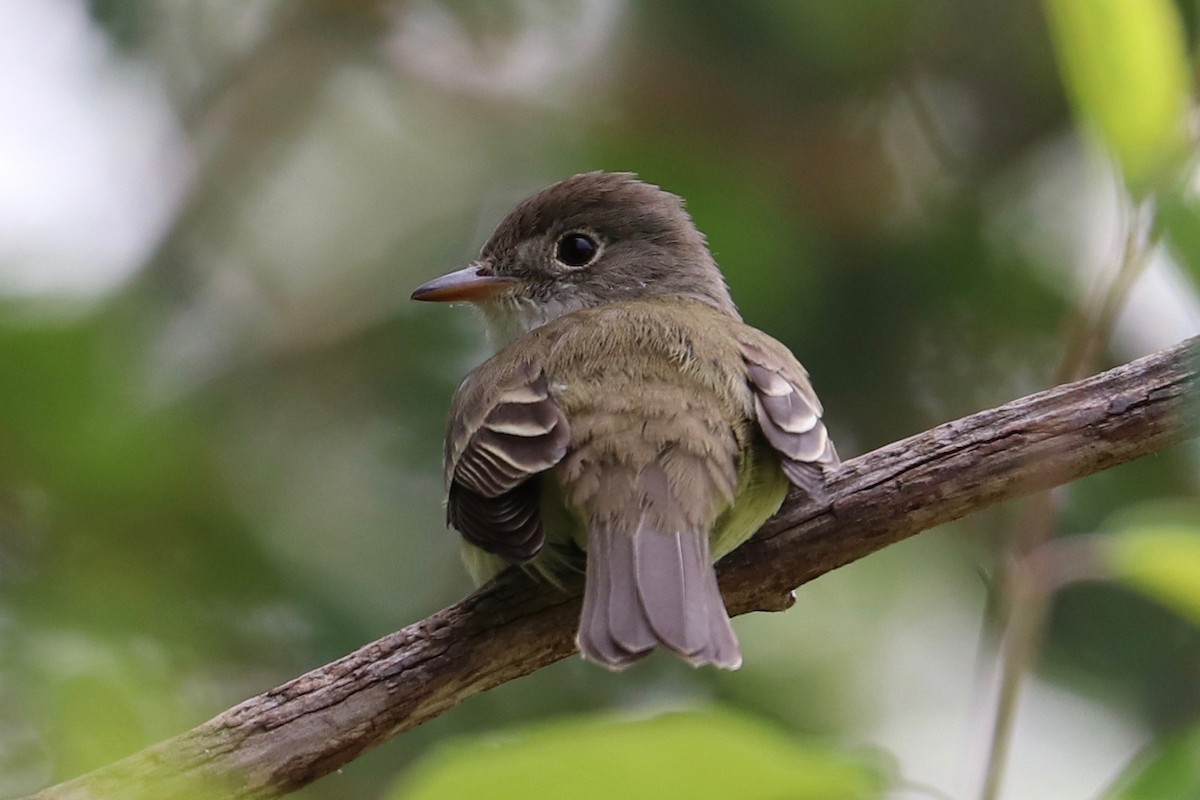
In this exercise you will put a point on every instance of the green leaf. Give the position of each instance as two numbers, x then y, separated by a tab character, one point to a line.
1126	71
1179	219
697	756
1161	560
1169	771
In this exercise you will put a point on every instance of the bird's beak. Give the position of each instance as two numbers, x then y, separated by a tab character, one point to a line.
471	283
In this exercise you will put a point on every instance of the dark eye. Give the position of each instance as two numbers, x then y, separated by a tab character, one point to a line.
577	249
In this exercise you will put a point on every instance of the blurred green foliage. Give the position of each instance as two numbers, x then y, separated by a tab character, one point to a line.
219	459
1163	561
1170	771
1126	70
706	756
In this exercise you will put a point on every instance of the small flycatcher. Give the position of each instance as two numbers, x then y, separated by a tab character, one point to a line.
629	414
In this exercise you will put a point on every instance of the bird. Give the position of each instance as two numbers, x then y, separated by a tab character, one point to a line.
629	425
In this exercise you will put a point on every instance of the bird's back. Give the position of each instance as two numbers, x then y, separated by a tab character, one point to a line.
669	405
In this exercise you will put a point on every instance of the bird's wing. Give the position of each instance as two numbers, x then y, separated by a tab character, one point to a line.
787	410
504	430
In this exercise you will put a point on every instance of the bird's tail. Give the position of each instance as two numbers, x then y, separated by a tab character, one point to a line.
648	587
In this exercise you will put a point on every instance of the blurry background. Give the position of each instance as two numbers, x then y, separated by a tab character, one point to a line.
220	416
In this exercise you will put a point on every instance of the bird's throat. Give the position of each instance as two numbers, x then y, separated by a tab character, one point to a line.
509	318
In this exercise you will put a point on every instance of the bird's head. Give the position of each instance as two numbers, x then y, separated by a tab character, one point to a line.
592	239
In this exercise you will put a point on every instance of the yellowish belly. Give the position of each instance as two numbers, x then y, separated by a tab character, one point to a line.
761	489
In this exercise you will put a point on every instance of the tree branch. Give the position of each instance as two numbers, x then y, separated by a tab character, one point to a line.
286	738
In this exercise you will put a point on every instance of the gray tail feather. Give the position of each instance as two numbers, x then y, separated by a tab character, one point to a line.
647	588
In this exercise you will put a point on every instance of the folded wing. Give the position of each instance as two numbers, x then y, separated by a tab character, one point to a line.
788	412
497	445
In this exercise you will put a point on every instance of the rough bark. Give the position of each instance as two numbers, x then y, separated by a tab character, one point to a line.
291	735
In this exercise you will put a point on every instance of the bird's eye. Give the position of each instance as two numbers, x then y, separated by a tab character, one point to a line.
577	250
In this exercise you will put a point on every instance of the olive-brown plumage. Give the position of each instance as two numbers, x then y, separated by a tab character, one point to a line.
631	415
